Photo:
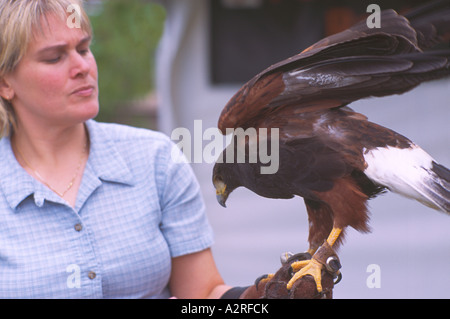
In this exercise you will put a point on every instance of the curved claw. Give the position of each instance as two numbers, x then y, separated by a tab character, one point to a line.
288	257
339	278
285	257
262	278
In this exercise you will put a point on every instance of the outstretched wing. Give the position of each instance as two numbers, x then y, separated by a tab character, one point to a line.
356	63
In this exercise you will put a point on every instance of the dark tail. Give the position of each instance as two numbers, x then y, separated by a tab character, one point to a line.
439	189
432	25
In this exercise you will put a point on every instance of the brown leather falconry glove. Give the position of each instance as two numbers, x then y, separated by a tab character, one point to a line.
274	286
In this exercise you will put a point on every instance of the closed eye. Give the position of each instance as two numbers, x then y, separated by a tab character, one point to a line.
53	60
53	54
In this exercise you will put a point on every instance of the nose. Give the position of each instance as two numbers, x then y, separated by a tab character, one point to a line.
80	65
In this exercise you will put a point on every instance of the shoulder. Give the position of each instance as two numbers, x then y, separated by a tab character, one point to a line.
120	132
144	151
126	138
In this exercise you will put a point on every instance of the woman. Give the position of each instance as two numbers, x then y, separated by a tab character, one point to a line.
87	210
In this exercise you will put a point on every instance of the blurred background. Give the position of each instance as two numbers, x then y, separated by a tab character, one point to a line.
164	64
126	35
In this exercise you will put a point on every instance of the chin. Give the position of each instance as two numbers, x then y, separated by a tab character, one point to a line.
89	110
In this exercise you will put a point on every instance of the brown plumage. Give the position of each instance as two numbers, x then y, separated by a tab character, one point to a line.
329	154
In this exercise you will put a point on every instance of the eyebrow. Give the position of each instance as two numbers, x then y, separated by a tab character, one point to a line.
57	47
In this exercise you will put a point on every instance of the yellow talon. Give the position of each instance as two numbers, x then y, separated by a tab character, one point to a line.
312	267
307	267
265	279
296	266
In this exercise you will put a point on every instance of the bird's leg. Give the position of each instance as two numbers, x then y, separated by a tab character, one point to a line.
334	235
313	267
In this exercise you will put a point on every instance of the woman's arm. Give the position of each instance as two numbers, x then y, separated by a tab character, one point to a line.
196	276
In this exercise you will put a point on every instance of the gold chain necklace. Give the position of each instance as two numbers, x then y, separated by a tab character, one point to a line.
42	180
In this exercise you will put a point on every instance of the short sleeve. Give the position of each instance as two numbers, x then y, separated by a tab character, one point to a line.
184	223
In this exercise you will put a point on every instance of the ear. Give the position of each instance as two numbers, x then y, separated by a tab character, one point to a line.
6	91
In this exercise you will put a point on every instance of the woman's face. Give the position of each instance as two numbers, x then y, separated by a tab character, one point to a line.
55	83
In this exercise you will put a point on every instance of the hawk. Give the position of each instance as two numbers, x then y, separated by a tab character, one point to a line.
332	156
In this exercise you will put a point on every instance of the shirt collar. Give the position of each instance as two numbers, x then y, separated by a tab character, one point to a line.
104	158
105	163
15	182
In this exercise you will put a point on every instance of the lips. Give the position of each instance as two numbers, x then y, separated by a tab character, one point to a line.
86	90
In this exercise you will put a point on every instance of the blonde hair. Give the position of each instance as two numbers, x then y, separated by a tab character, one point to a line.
19	20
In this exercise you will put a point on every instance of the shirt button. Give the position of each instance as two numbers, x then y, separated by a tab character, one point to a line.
92	275
78	227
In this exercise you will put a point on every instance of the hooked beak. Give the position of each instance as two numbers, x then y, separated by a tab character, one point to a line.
221	199
221	193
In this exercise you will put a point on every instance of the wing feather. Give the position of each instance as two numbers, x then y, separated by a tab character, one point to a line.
356	63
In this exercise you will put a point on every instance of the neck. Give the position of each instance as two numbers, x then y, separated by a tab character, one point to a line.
55	157
50	146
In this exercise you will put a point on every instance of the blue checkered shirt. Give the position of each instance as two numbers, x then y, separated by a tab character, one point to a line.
135	210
